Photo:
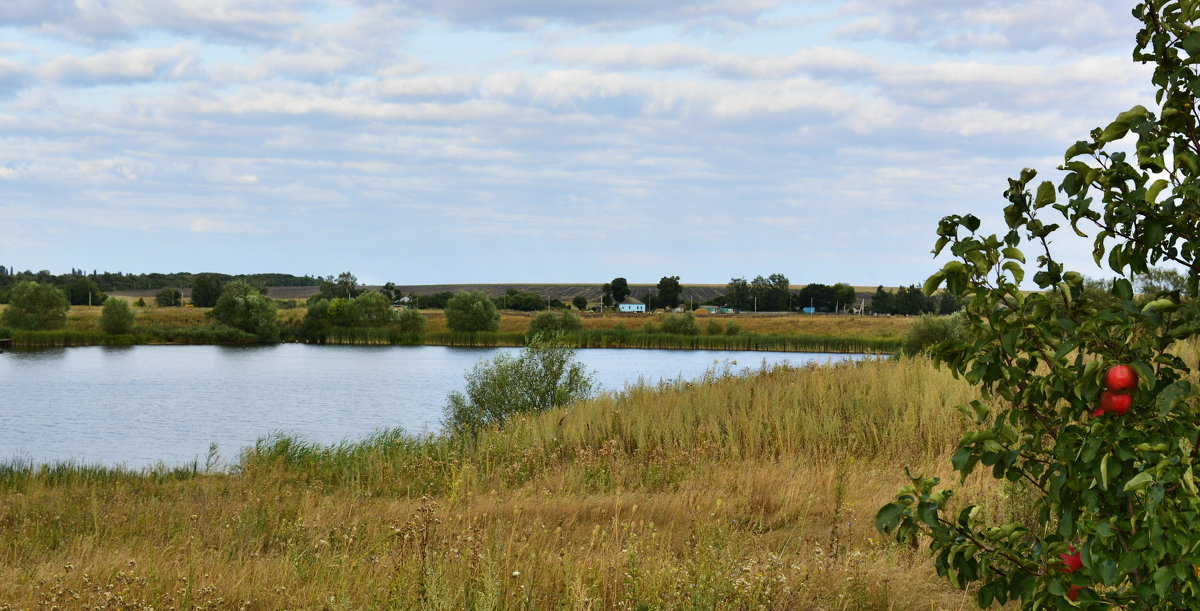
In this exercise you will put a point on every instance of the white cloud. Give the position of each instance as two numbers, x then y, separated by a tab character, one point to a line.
124	66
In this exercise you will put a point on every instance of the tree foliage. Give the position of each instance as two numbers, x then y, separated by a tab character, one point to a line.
471	312
411	321
580	302
1119	490
545	375
37	306
241	306
206	290
549	323
116	317
83	291
669	291
168	298
618	290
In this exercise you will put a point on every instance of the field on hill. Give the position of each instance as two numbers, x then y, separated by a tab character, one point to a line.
755	490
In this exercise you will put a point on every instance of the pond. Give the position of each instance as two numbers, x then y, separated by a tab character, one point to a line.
144	405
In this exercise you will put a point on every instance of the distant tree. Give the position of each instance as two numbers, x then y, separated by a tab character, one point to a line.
33	305
606	299
141	303
116	317
844	296
206	290
737	293
83	291
436	301
945	303
669	291
1160	280
620	290
472	311
372	309
523	301
243	307
1097	291
911	300
555	322
883	302
817	295
580	302
347	284
411	321
168	298
650	298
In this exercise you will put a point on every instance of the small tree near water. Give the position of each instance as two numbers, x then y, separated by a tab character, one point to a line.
116	317
543	376
472	311
36	306
1115	495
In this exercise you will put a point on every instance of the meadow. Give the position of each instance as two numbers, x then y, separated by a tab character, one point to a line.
816	333
744	490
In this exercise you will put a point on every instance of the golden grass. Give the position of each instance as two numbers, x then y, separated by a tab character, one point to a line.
754	491
868	327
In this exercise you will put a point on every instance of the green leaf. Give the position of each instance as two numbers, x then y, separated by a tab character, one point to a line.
1013	253
1141	481
888	517
1014	268
1154	190
1045	194
1079	148
933	282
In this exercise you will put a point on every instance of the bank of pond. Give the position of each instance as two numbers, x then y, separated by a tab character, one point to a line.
589	338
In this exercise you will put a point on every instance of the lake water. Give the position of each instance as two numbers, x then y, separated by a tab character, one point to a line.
142	405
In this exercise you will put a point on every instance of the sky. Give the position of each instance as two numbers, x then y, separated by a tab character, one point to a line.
496	141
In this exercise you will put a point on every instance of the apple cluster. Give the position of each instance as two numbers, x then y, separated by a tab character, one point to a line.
1115	400
1071	562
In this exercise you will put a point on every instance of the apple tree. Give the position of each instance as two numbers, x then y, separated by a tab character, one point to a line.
1114	492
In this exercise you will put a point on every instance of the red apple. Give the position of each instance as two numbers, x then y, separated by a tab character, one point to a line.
1120	377
1114	403
1071	560
1073	593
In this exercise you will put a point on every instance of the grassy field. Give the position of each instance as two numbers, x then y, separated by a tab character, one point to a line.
192	325
747	491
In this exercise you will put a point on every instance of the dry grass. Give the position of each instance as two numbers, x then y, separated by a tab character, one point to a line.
754	491
867	327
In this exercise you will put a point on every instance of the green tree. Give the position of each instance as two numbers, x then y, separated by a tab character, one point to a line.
411	321
844	296
1118	489
619	289
580	302
669	291
737	293
241	306
83	291
116	317
883	302
372	309
549	323
206	290
1160	280
168	298
471	312
36	306
544	376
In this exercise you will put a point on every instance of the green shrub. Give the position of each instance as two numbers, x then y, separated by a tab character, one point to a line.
714	328
116	317
555	322
244	308
928	331
545	375
732	328
680	324
471	312
411	322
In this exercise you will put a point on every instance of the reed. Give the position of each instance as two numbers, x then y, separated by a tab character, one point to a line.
746	489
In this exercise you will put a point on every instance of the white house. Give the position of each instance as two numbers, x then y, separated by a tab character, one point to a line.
631	305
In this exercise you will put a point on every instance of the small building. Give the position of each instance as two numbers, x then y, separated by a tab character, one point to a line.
631	305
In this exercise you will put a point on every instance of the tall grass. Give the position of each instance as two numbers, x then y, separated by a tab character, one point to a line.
743	490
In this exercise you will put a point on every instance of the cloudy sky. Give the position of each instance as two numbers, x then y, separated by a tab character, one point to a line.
428	141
